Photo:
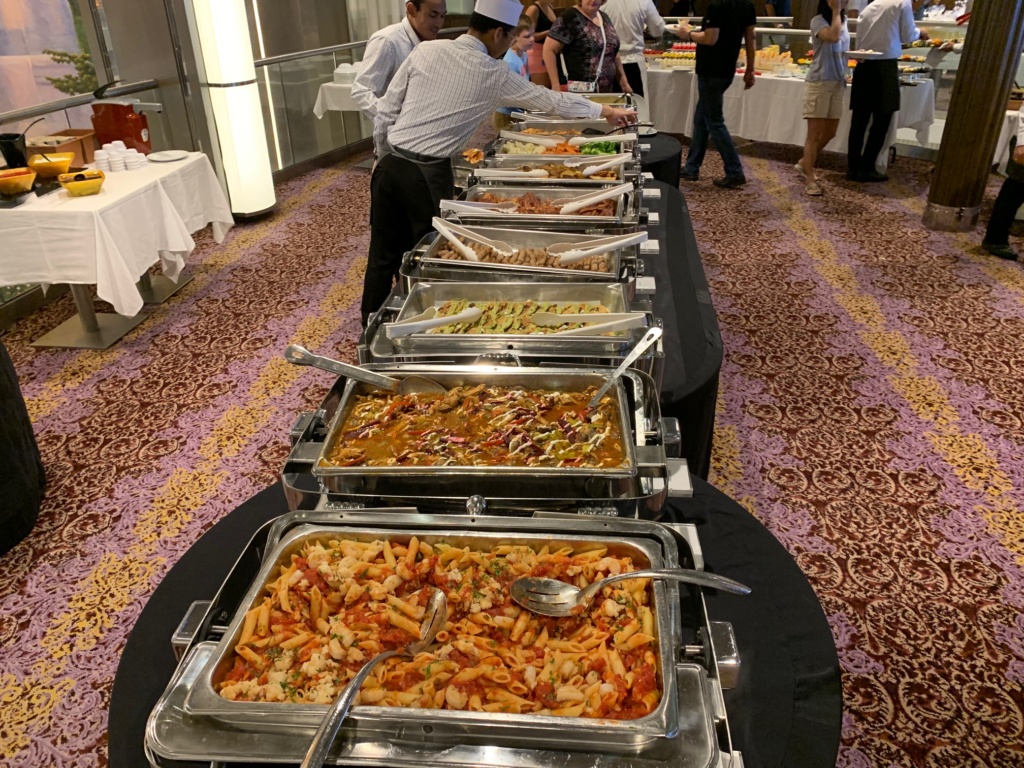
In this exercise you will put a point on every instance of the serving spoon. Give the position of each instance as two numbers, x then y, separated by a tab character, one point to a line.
434	618
551	597
570	253
652	335
410	385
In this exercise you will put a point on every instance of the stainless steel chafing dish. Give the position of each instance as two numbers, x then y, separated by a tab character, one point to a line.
689	727
424	263
403	724
629	170
639	488
533	349
626	215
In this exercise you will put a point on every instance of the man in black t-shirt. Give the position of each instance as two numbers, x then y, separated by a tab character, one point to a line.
727	26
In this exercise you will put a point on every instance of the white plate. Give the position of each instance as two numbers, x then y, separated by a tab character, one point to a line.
169	156
866	55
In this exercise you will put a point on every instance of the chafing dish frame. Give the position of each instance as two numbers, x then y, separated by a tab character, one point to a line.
627	209
530	350
625	266
628	171
655	441
409	725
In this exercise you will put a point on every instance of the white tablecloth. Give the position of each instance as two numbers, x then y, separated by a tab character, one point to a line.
1013	125
334	96
109	240
772	110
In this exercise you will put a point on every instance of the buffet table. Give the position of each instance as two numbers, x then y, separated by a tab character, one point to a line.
785	711
772	111
111	239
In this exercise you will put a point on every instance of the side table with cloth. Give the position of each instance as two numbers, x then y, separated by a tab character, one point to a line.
334	97
785	712
772	111
111	239
23	479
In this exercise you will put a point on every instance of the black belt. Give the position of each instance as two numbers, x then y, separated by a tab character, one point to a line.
416	157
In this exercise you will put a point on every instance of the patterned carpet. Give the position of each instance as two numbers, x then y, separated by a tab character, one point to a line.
871	416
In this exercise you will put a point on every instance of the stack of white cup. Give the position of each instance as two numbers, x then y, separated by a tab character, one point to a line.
116	157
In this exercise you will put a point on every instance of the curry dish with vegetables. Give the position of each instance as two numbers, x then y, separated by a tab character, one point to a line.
481	426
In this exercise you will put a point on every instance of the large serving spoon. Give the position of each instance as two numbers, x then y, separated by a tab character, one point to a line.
541	140
410	385
429	320
570	253
652	335
474	206
579	202
509	173
618	138
498	245
620	323
434	618
551	597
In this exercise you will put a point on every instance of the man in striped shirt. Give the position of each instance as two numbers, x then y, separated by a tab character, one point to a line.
438	98
389	47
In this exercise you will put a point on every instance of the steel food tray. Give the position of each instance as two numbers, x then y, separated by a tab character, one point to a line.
469	480
641	493
630	169
424	296
626	212
410	725
526	238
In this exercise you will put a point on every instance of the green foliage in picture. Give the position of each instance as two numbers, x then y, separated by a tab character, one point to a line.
84	79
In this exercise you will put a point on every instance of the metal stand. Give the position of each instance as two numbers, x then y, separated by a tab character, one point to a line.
88	330
156	289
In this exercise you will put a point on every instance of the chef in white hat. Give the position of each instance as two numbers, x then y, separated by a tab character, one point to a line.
437	99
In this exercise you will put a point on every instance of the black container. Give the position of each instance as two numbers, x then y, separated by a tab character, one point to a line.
12	147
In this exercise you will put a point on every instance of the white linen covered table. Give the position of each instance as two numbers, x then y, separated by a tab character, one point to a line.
111	239
336	97
772	110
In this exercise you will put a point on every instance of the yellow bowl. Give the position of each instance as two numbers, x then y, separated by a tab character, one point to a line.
15	181
54	164
82	183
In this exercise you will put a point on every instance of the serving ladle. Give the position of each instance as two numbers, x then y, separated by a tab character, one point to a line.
434	618
551	597
410	385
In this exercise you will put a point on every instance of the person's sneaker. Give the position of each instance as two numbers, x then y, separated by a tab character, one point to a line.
1002	251
730	182
873	176
687	176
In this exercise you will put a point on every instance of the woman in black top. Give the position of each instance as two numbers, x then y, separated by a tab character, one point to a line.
585	39
543	16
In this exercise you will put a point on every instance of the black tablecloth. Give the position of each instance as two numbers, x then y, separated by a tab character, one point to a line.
22	480
692	342
784	714
664	159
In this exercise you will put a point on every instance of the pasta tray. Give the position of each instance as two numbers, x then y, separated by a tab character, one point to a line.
482	689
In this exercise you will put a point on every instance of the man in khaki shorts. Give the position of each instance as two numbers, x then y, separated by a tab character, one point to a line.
826	85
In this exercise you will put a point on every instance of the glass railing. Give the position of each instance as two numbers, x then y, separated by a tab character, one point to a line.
289	86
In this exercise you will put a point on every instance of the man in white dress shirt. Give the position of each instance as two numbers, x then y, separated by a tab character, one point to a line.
438	98
885	26
634	20
387	48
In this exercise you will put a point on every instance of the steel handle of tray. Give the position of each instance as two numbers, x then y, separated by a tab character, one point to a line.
328	730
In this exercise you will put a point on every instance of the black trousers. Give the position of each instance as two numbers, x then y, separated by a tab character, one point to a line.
1009	201
863	156
404	197
635	77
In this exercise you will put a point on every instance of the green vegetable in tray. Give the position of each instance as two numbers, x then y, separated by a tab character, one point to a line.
599	148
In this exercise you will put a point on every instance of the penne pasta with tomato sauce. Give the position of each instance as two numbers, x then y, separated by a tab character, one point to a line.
340	602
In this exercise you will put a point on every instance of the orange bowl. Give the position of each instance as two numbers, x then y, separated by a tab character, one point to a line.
52	165
15	181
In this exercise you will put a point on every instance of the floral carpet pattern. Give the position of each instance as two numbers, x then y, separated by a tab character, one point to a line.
871	414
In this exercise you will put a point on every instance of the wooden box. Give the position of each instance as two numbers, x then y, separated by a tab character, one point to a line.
82	143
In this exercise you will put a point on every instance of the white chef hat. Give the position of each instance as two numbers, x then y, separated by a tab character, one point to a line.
505	11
